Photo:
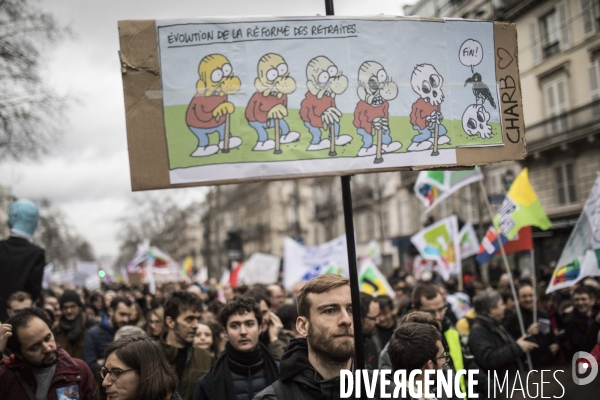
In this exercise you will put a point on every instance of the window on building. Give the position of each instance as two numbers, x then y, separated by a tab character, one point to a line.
594	77
565	184
385	220
550	34
590	15
557	103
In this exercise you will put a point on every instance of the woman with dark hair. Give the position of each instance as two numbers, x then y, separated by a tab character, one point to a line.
136	368
207	338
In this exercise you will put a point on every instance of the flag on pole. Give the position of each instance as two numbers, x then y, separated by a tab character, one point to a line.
581	255
440	242
469	244
521	207
432	187
188	264
372	281
490	247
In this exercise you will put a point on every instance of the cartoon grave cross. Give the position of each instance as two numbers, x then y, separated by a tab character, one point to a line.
210	109
267	107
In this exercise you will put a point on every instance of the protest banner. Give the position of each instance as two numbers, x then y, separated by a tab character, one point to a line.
489	247
372	281
302	263
260	268
47	277
217	101
440	242
433	187
469	244
581	255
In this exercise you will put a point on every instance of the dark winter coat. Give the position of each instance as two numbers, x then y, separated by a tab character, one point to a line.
542	356
70	373
95	343
581	335
21	268
493	347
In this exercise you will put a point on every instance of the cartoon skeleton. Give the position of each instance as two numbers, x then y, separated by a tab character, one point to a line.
475	120
375	89
426	111
318	110
269	103
210	108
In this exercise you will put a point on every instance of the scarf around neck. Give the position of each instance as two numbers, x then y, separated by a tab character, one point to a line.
73	329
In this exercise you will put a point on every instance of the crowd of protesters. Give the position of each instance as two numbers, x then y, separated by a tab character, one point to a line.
197	341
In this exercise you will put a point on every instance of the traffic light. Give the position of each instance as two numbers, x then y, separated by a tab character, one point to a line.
101	273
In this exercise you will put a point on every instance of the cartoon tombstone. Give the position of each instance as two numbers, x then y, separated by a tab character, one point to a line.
475	120
209	110
375	89
267	107
426	117
318	110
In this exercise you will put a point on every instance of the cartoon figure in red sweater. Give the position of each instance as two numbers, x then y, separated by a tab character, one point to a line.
209	109
426	111
269	103
318	110
375	89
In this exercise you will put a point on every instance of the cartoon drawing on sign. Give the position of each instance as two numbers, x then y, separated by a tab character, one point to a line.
267	107
318	110
209	110
375	89
475	120
426	117
480	90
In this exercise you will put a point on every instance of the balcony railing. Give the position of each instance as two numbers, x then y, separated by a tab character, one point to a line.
567	123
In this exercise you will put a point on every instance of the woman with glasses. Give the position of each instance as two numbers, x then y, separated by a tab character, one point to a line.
136	368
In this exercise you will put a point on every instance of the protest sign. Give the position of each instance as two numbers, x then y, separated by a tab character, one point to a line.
260	268
440	242
372	281
217	101
301	263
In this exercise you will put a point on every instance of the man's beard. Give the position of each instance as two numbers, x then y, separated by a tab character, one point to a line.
328	347
117	325
45	361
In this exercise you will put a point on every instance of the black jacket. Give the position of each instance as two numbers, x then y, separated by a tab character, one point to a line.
581	335
21	269
542	356
493	347
247	381
95	343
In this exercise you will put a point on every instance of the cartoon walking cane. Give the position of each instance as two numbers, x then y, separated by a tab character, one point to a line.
332	151
226	138
378	157
435	151
277	141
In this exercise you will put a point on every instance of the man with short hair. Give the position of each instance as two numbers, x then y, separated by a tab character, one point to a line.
72	325
37	368
386	324
18	301
277	296
99	336
272	333
310	367
583	323
369	311
246	367
183	310
427	297
415	346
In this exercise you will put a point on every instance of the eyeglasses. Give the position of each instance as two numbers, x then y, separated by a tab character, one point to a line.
440	310
445	357
372	318
114	373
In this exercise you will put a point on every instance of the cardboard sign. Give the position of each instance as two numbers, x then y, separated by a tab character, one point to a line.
226	101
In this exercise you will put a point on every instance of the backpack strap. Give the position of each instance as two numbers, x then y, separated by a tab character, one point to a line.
25	386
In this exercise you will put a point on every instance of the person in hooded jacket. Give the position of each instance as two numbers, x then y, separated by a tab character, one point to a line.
310	366
246	367
72	325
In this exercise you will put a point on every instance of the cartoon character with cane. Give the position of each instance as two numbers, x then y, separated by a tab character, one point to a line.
209	110
267	107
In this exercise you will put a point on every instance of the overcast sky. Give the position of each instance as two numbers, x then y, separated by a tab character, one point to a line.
87	174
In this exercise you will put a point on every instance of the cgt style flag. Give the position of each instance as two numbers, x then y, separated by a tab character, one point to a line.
432	187
581	255
372	281
469	245
490	247
521	207
439	242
